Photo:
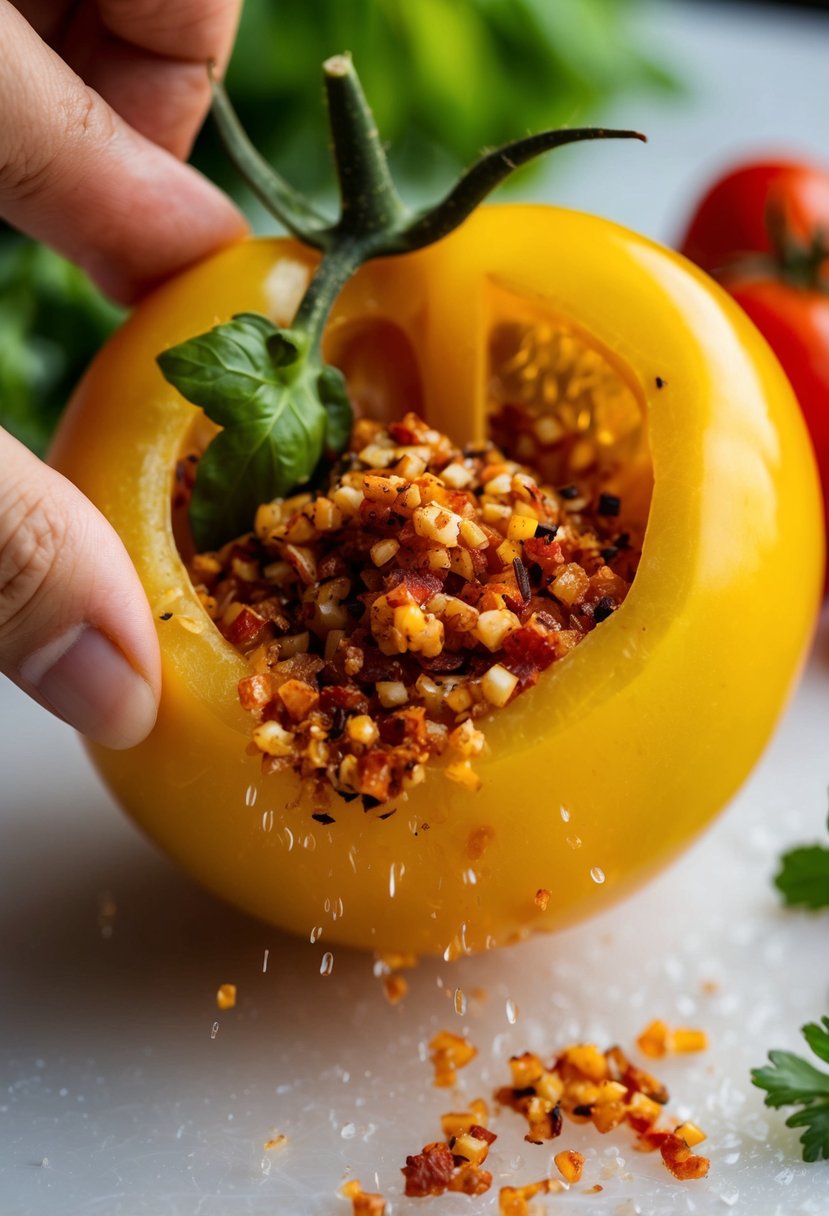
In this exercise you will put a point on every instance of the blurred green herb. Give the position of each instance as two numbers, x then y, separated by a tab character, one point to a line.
803	878
444	77
52	321
793	1081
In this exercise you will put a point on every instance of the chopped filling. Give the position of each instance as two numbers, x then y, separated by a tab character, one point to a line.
387	615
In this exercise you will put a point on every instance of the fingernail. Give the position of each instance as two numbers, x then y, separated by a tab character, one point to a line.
88	682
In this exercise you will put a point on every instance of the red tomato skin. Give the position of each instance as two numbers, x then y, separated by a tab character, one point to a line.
731	218
795	323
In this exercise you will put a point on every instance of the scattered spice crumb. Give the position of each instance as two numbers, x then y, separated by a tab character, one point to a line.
275	1142
593	1190
226	996
449	1052
605	1088
514	1200
542	898
395	987
363	1203
657	1040
570	1165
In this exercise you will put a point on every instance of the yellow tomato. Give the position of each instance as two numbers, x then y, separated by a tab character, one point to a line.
611	764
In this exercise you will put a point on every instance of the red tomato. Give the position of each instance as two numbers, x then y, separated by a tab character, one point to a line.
763	232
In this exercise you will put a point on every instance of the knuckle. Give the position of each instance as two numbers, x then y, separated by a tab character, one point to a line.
32	532
80	119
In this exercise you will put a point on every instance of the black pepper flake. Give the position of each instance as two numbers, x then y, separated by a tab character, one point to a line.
355	609
348	795
583	1110
166	616
388	814
569	492
622	541
604	608
323	817
522	578
609	504
548	531
608	554
370	802
660	383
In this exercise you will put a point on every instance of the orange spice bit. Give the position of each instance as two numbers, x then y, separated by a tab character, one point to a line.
395	987
363	1203
593	1190
226	996
542	898
458	1122
275	1142
570	1165
454	1164
449	1052
676	1153
514	1200
657	1039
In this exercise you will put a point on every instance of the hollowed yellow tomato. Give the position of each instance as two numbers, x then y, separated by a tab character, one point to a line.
601	773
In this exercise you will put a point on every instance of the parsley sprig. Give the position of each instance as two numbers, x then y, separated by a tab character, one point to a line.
793	1081
282	409
803	880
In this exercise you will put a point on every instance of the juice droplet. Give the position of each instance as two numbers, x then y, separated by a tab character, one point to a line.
574	842
267	821
251	794
511	1010
265	961
214	1030
327	964
565	814
459	1002
316	933
597	874
309	842
288	837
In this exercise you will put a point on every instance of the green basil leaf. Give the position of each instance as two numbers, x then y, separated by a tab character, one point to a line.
279	411
333	393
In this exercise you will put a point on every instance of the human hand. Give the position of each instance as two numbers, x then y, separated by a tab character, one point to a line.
89	164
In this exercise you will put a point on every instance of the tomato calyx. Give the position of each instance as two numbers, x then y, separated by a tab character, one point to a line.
284	412
801	262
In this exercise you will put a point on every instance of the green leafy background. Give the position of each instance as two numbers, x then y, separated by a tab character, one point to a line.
445	78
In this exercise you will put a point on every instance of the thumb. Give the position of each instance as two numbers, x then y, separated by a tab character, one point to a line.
76	632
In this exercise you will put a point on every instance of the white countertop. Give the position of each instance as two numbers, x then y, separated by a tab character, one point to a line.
117	1097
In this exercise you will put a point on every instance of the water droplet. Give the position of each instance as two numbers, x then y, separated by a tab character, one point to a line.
327	964
265	1165
565	814
352	858
574	842
267	821
459	1001
348	1131
338	909
309	842
316	933
327	906
470	878
214	1030
449	953
414	825
396	872
511	1010
597	874
288	837
265	961
251	794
